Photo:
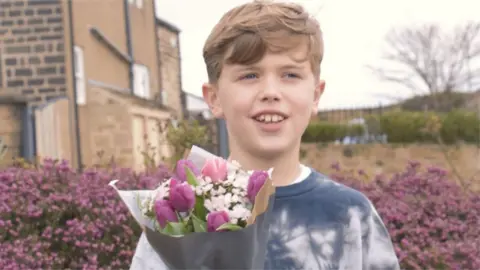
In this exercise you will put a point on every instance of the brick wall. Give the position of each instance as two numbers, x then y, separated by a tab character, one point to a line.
170	68
32	56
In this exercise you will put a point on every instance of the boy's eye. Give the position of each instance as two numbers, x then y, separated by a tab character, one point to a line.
292	75
249	76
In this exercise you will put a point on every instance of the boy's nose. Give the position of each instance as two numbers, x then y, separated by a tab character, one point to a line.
271	91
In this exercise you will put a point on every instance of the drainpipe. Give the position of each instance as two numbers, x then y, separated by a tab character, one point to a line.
183	100
28	133
222	138
128	35
157	49
75	104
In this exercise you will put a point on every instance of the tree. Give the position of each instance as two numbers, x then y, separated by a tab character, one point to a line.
429	59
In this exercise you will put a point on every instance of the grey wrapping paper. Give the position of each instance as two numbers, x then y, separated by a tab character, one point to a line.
243	249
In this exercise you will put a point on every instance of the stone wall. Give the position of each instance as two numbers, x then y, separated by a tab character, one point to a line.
32	56
390	159
170	61
106	137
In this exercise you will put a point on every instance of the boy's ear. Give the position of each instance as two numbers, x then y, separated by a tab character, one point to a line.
319	88
210	95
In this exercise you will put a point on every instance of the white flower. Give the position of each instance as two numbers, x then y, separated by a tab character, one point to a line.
218	203
221	190
198	190
207	187
209	205
230	178
235	198
236	164
241	180
239	212
227	199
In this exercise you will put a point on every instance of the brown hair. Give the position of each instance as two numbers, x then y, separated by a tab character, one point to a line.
245	33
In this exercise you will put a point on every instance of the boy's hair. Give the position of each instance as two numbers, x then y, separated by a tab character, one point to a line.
245	33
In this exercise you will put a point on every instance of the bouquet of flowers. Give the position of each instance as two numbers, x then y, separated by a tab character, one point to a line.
210	215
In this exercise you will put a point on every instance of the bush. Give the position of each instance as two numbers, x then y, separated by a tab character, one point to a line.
410	127
53	218
460	125
329	132
183	136
433	222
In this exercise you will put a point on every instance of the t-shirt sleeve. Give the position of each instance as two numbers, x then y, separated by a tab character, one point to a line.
378	250
145	258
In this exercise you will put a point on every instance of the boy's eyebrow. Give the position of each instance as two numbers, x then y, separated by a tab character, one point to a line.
240	68
292	66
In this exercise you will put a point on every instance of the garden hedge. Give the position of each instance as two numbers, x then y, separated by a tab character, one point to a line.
329	132
54	218
405	127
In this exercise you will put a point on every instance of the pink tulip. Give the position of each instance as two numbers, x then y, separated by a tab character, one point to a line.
180	169
216	169
216	219
164	212
182	196
255	183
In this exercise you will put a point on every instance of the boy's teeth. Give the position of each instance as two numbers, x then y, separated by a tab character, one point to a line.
270	118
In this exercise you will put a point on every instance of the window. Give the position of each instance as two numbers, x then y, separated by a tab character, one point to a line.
141	81
80	76
164	97
138	3
173	42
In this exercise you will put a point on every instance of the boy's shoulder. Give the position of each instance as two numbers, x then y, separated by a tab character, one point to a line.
332	192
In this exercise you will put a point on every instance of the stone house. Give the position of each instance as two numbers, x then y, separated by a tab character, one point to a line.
86	81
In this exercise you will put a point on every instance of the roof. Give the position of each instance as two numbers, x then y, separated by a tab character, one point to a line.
148	103
168	25
195	103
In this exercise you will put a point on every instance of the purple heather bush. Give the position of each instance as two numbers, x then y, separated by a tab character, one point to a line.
434	222
54	218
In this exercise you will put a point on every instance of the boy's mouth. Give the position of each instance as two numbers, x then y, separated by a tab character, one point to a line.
269	118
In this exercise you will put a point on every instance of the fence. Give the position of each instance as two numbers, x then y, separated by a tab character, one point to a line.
346	114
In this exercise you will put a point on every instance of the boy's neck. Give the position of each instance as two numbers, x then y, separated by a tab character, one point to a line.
286	167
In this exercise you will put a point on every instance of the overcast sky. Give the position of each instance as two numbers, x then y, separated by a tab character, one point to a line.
353	32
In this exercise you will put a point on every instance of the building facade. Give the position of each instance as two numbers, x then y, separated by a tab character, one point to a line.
87	81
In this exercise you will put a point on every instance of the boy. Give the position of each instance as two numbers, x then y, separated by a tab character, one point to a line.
263	63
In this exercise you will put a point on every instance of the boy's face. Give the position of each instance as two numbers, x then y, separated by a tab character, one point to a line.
267	105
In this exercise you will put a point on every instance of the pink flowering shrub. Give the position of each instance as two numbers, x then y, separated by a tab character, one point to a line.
54	218
433	222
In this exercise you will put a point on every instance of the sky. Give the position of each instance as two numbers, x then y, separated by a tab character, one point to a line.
354	34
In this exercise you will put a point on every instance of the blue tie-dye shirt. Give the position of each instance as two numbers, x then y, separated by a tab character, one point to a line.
317	224
320	224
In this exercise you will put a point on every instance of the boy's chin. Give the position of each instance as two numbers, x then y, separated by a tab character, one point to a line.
274	148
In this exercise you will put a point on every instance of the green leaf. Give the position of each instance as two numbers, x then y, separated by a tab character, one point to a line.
191	179
174	228
199	209
230	227
198	224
